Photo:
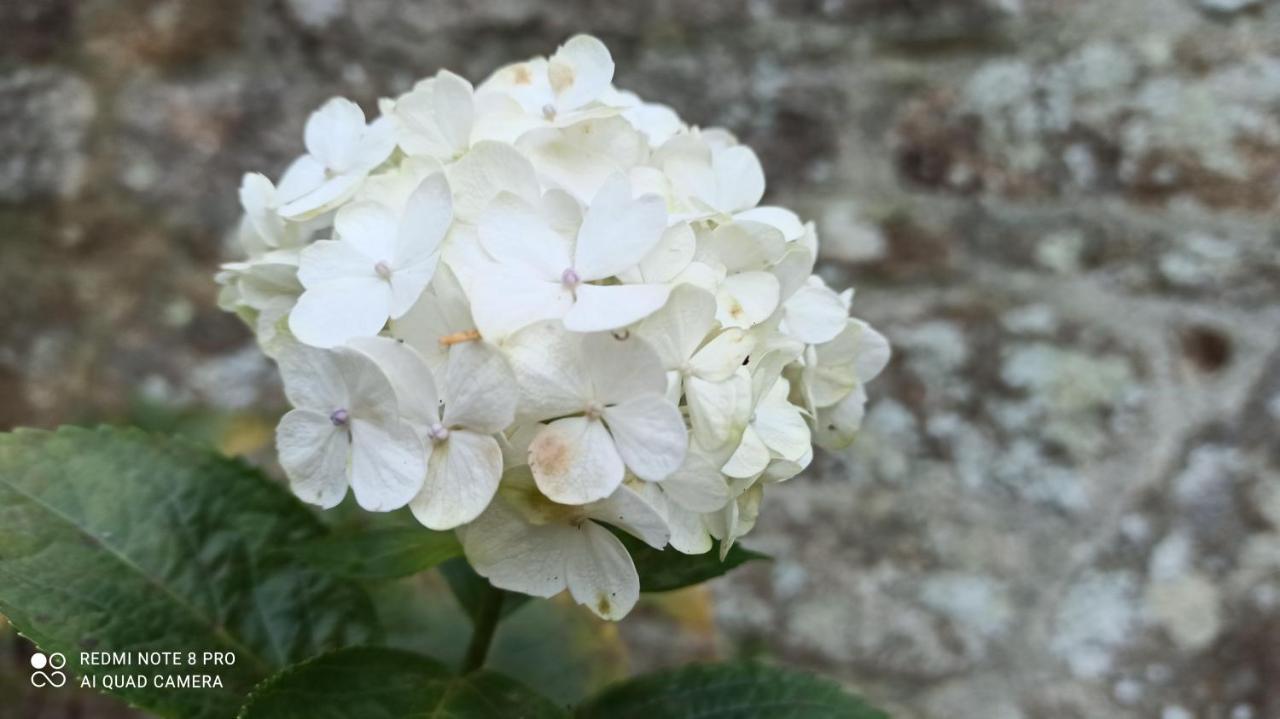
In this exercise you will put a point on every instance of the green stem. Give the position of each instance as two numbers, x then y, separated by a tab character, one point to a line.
486	622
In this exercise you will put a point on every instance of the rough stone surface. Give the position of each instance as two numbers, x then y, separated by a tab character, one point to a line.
1066	498
42	141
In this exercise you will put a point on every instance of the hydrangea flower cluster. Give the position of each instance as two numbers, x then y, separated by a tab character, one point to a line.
540	311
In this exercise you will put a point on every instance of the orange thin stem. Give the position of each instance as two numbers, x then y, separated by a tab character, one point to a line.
460	337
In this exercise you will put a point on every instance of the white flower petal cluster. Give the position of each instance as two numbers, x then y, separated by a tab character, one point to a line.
541	311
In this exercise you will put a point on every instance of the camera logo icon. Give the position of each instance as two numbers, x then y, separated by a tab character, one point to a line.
48	670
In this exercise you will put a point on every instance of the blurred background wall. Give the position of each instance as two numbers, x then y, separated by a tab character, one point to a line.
1065	214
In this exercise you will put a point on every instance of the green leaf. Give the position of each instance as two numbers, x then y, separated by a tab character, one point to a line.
379	553
115	540
742	690
667	569
380	683
468	588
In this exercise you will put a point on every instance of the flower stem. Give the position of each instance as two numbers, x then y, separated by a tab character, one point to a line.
486	621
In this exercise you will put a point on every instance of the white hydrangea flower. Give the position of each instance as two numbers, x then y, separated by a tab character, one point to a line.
776	428
341	151
608	413
540	274
435	119
476	400
539	310
702	364
559	90
376	270
346	430
527	543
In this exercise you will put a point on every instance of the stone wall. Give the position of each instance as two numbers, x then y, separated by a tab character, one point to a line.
1065	214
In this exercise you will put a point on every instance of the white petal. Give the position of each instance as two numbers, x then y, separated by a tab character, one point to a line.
736	519
618	232
650	435
388	464
272	327
676	330
667	259
743	246
607	307
873	352
375	145
746	299
562	212
409	282
462	478
415	389
551	371
436	117
455	109
766	363
620	367
718	411
330	193
629	510
487	170
750	459
335	312
792	270
740	178
780	470
657	122
825	385
333	131
301	177
718	359
689	533
581	157
857	354
580	71
312	378
814	314
574	461
698	485
780	425
313	453
480	389
786	221
516	555
836	427
442	310
370	228
602	576
427	217
503	304
332	260
257	197
267	280
515	235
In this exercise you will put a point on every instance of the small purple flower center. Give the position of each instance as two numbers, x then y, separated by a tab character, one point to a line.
438	432
383	270
570	277
339	417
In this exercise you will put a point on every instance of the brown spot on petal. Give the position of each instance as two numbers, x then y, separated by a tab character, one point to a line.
522	76
550	455
560	75
603	605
